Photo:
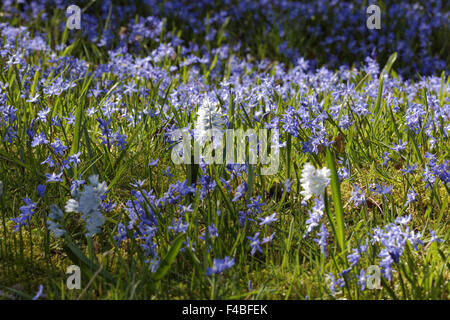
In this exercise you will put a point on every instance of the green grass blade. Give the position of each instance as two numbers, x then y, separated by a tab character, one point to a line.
337	202
169	259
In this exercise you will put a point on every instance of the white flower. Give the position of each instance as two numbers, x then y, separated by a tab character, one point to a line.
314	181
209	123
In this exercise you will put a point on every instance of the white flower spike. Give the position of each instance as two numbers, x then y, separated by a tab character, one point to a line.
314	181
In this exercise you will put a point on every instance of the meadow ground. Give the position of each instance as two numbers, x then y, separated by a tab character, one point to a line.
346	196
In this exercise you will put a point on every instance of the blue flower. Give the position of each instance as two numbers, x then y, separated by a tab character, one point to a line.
428	177
393	238
242	217
208	185
184	209
399	147
322	239
226	183
358	196
314	215
26	213
268	239
105	127
241	190
335	283
75	159
167	173
39	293
343	173
268	219
119	139
381	189
411	196
287	185
220	265
41	190
409	169
414	238
58	147
51	163
291	122
39	139
54	177
107	206
255	243
362	280
404	220
255	205
71	119
354	257
178	226
434	238
42	114
11	134
121	234
385	158
76	184
153	163
212	231
138	183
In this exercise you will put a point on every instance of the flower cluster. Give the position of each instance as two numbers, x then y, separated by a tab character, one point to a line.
220	265
87	202
26	213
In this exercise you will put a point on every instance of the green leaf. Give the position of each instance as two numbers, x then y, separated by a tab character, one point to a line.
386	69
250	181
80	259
169	259
337	202
69	49
77	131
